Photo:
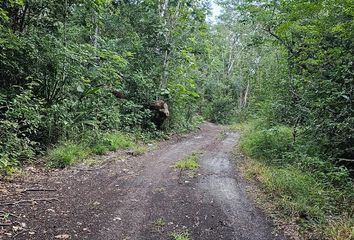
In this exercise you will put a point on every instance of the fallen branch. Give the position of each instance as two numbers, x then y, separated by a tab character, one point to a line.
9	214
38	190
23	231
29	201
5	224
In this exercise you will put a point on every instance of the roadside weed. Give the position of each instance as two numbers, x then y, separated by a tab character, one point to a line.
90	162
7	165
66	153
223	135
118	140
340	229
104	143
296	195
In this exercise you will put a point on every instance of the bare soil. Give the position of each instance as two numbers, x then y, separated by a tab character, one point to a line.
142	197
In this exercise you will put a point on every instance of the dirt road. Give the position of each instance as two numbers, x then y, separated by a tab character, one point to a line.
144	197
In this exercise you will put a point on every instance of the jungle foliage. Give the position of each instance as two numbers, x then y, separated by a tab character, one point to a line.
74	67
288	66
79	77
68	68
295	63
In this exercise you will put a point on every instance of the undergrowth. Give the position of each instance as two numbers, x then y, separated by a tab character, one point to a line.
69	152
303	186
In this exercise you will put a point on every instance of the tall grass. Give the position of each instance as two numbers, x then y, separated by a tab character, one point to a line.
68	152
299	185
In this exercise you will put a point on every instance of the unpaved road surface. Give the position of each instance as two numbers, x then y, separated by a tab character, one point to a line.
142	197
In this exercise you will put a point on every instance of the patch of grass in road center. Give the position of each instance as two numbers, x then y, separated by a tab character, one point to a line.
188	163
181	235
160	223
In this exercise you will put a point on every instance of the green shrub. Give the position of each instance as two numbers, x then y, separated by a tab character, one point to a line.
269	144
66	153
20	119
320	166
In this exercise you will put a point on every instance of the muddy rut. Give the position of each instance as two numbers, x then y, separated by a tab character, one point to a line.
145	197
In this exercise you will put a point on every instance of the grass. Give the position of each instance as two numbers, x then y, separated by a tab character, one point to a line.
159	223
68	152
294	193
110	142
118	140
267	144
90	162
236	127
340	229
139	150
188	163
298	193
318	208
181	235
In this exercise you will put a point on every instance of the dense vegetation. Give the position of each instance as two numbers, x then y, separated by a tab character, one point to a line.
75	68
295	57
79	77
